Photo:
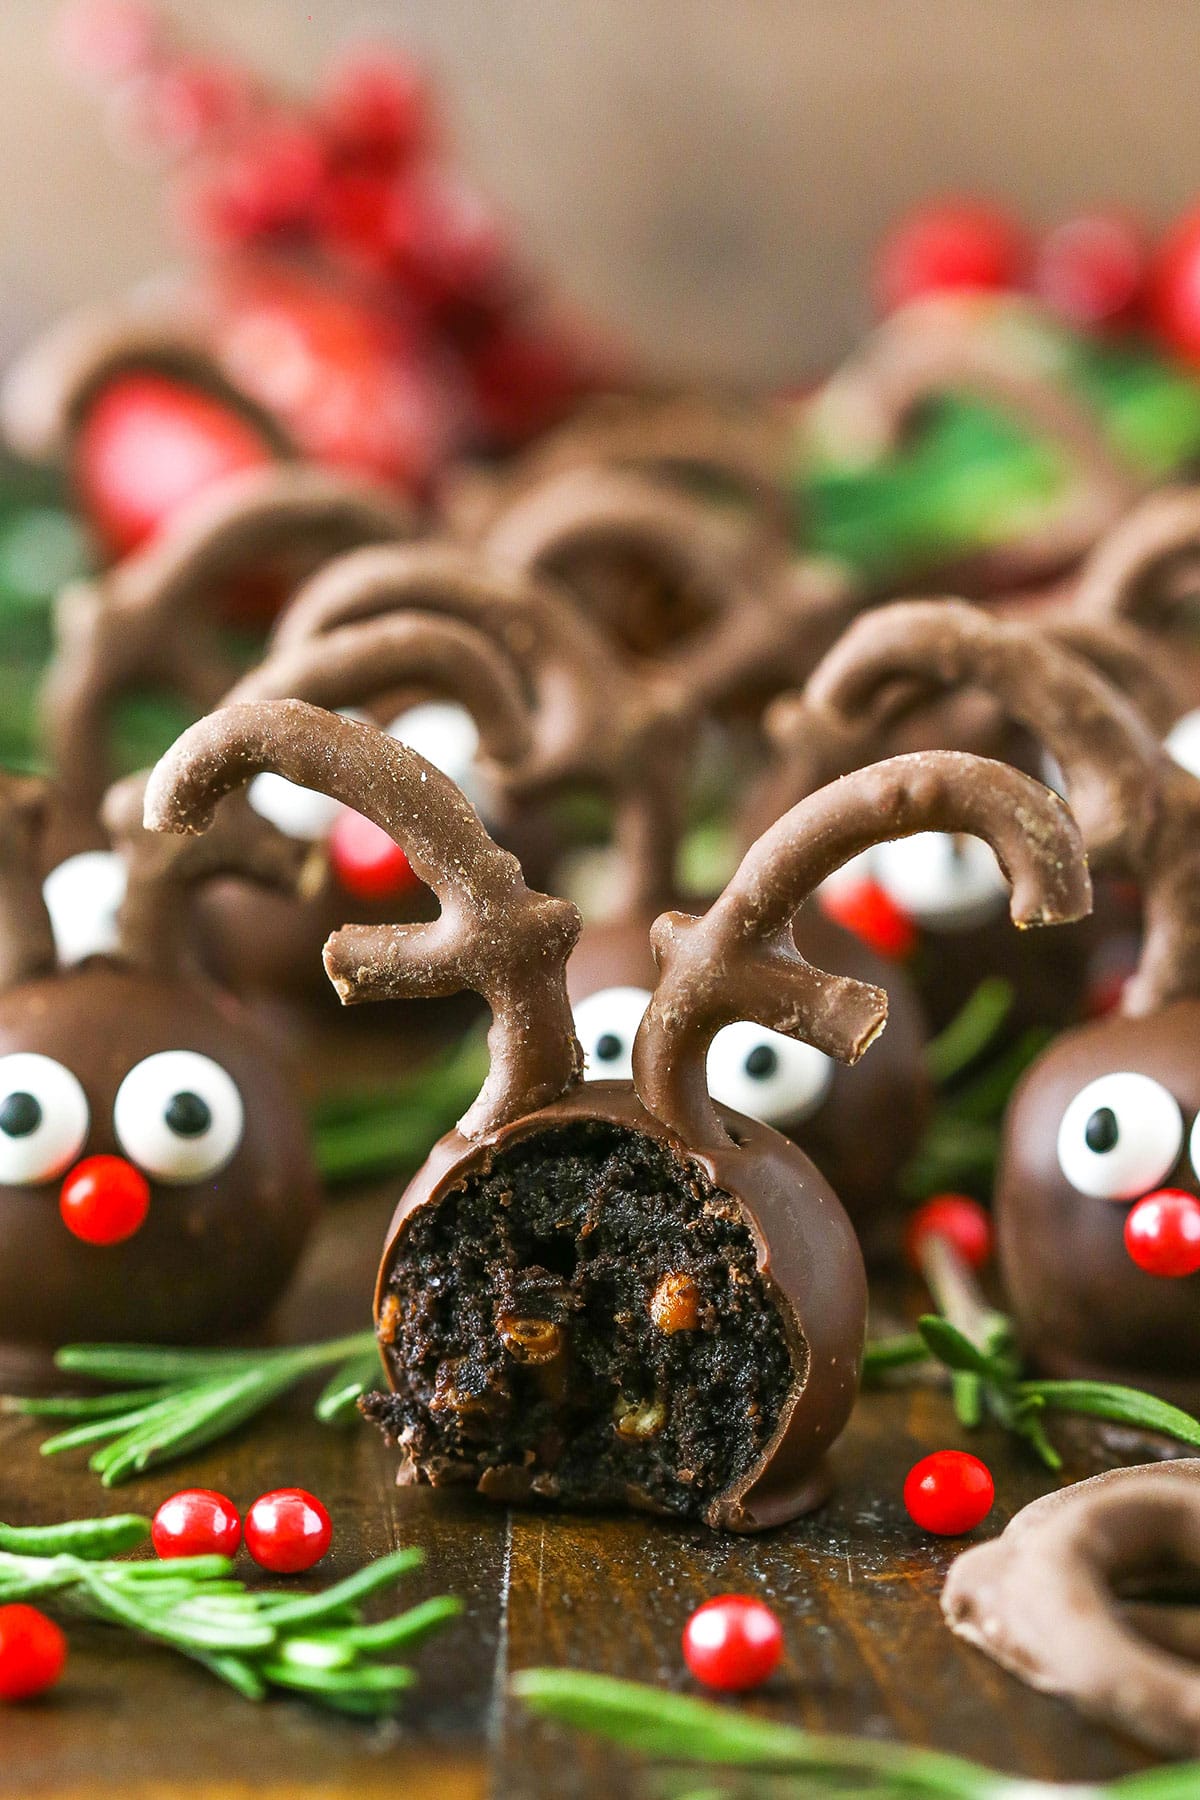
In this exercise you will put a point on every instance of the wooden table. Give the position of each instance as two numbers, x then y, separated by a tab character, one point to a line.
857	1588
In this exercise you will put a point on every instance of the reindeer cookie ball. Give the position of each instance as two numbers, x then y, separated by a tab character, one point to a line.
1097	1192
155	1177
617	1293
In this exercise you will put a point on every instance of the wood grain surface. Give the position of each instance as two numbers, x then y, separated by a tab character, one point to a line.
856	1585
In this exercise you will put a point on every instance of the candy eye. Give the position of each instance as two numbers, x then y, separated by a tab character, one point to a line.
298	812
1183	742
766	1075
179	1116
445	735
944	881
606	1024
83	896
43	1118
1119	1137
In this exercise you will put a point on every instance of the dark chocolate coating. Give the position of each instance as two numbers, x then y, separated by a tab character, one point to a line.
214	1255
1083	1307
806	1251
870	1118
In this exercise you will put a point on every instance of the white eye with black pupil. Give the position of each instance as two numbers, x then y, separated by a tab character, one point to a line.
1183	742
83	896
179	1116
447	736
606	1024
43	1118
1119	1137
943	881
298	812
766	1075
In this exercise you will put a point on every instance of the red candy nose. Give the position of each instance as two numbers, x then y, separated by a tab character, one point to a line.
1162	1233
104	1200
868	910
368	865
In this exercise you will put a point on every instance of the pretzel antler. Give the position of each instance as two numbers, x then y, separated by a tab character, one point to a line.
1002	349
154	927
761	606
1108	755
1132	571
149	620
47	392
740	961
594	721
359	663
735	446
26	937
494	935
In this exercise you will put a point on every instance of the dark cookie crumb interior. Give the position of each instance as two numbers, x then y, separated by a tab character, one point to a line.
519	1329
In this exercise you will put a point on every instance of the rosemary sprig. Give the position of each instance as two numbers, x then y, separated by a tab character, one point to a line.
678	1729
314	1645
185	1399
977	1344
382	1130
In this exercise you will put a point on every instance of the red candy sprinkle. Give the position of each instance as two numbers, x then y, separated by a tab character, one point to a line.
147	445
287	1531
949	1492
959	1219
104	1200
953	245
365	860
1092	270
868	910
196	1522
1162	1233
33	1652
732	1642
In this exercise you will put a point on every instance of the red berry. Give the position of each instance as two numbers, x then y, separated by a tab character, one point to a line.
1092	270
957	1218
104	1200
1162	1233
732	1642
267	183
33	1652
288	1531
377	107
949	1492
443	244
947	246
196	1522
104	41
366	861
147	445
1175	288
868	910
523	380
180	107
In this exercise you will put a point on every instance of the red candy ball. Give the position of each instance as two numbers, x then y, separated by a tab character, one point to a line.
959	1219
196	1522
949	246
104	1200
732	1643
1092	270
149	444
287	1531
1162	1233
949	1492
33	1652
1175	288
365	860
